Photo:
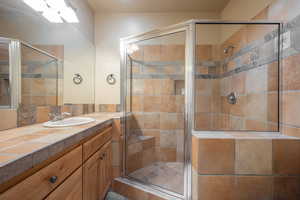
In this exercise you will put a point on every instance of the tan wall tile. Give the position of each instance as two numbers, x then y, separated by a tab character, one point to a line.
254	187
203	121
10	119
220	122
239	83
286	157
289	130
168	121
152	53
138	86
216	187
290	108
42	114
204	52
203	103
152	121
195	153
172	52
273	82
203	86
152	103
286	187
256	125
253	156
168	139
257	106
168	103
167	87
257	80
152	86
291	73
273	107
216	156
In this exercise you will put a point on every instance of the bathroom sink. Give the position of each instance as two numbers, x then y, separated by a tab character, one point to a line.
73	121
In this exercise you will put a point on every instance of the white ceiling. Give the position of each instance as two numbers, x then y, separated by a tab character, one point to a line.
157	5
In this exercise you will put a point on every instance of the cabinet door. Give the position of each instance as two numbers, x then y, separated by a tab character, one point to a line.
102	175
108	164
71	189
105	170
97	174
91	177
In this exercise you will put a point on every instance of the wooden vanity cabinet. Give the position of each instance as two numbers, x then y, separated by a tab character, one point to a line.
73	176
97	171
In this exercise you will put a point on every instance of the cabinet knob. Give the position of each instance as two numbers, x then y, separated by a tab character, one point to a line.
102	156
53	179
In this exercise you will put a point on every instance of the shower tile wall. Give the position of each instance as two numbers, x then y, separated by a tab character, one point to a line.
157	105
250	70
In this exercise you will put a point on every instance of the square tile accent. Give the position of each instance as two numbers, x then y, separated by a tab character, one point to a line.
286	188
216	187
254	188
286	156
216	156
253	156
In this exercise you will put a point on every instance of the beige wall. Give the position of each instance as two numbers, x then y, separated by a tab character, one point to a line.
109	28
235	10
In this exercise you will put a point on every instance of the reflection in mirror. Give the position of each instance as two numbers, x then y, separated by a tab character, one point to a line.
46	83
5	96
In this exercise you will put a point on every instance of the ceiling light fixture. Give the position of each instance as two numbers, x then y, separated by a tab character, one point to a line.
52	16
69	15
37	5
56	4
54	11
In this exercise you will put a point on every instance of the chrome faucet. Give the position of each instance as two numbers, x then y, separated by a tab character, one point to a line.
58	116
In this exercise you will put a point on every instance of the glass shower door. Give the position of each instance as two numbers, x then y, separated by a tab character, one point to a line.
155	100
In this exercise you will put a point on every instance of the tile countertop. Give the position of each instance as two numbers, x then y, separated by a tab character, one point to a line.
22	148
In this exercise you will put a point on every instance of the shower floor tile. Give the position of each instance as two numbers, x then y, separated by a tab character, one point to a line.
168	175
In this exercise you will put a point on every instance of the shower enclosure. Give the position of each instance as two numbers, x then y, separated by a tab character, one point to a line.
197	77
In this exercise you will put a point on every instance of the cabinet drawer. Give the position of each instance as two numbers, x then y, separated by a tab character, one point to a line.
96	142
40	184
70	189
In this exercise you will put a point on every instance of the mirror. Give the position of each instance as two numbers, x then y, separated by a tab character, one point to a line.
70	42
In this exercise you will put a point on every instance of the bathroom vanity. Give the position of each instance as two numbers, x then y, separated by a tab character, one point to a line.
67	163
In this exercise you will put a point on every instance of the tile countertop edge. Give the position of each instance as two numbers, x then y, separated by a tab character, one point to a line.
24	162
